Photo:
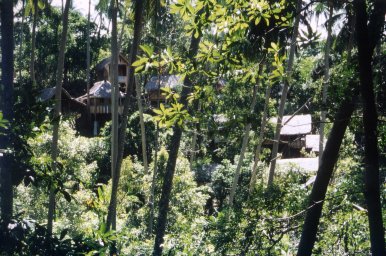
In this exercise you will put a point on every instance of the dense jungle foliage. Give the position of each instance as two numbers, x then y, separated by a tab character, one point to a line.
200	170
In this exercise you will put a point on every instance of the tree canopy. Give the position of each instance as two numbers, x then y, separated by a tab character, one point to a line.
205	127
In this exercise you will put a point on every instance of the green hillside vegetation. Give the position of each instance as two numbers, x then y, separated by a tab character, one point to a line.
205	127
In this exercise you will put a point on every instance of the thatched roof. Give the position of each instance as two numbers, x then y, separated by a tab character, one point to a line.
302	164
101	89
295	125
49	93
171	81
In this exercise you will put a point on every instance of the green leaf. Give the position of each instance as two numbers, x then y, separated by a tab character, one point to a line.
147	49
3	122
140	62
162	107
196	33
41	4
157	111
266	21
103	228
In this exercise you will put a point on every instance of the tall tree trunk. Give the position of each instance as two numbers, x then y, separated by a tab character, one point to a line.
156	146
350	44
193	147
88	60
284	92
33	43
100	26
6	107
153	181
370	118
194	140
122	31
319	189
326	80
155	162
171	164
57	114
129	92
114	111
260	141
142	124
245	139
21	38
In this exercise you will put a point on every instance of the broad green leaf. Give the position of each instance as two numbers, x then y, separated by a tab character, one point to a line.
147	49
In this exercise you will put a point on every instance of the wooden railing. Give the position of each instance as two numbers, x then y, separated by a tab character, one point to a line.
103	109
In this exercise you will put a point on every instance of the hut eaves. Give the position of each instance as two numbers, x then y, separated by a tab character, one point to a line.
49	93
295	125
101	89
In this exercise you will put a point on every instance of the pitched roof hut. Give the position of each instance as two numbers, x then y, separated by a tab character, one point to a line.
292	134
296	125
100	98
103	70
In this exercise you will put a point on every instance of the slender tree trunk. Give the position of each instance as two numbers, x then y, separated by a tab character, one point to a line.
88	80
156	147
194	141
6	107
284	92
100	26
245	140
171	164
142	124
33	43
153	181
370	118
155	162
57	114
319	189
21	39
193	148
129	92
260	141
111	219
108	27
351	20
122	31
326	80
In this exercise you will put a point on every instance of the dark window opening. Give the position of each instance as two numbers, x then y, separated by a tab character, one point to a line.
122	70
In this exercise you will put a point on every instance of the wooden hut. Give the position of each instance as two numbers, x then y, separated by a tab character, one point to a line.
103	71
100	103
293	135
